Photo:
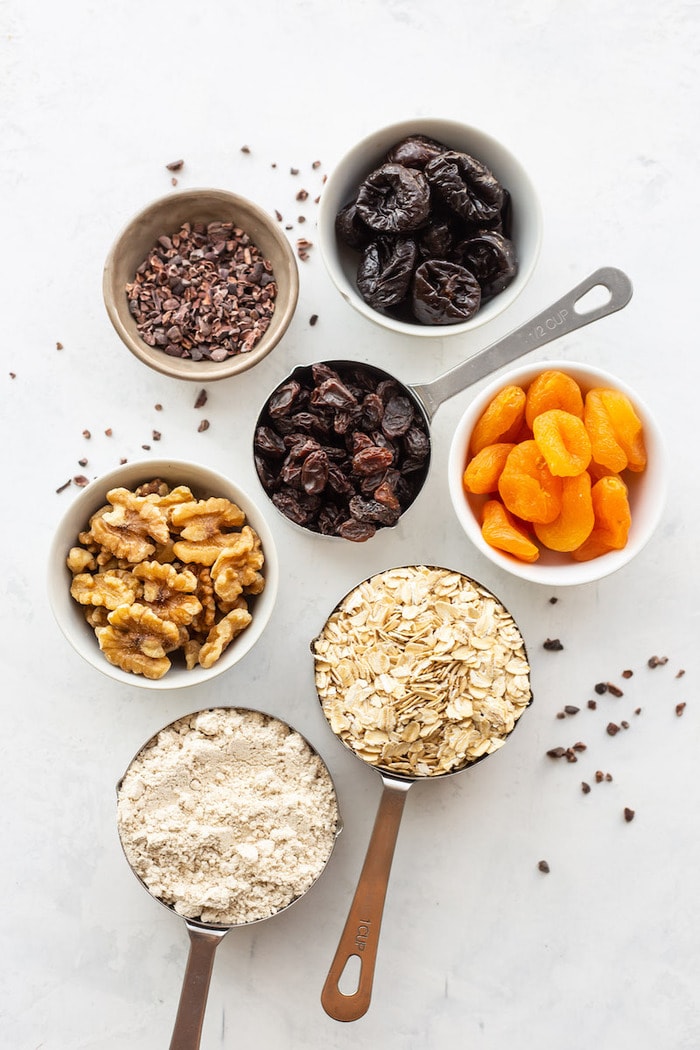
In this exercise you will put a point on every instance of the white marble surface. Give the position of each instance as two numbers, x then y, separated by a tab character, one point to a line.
478	947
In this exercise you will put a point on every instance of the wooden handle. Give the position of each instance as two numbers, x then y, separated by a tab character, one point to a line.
360	936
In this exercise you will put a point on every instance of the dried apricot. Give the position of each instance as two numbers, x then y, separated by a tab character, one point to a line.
553	389
576	520
501	419
527	487
627	427
613	519
563	441
605	447
500	530
484	469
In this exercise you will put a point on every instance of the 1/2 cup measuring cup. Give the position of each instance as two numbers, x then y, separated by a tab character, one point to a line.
172	767
301	421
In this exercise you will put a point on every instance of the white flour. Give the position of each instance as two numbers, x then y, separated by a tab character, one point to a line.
228	816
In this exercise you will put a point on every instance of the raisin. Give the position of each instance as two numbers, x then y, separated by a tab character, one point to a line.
563	441
314	472
398	416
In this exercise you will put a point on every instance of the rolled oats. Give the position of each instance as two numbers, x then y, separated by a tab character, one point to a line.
421	671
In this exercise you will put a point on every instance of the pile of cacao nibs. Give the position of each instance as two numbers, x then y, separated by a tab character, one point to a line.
432	226
204	292
341	450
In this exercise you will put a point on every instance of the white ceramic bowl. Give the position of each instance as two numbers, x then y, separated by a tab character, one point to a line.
647	490
165	216
69	614
343	182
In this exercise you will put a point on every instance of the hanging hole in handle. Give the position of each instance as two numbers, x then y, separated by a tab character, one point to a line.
595	298
349	981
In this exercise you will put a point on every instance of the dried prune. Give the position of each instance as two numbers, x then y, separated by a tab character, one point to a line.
385	270
350	228
415	151
436	240
444	293
466	185
491	258
394	199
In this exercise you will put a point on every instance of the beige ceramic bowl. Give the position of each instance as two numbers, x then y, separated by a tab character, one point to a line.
646	490
368	154
69	614
165	216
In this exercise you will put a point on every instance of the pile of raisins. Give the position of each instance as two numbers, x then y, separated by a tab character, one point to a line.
341	450
432	226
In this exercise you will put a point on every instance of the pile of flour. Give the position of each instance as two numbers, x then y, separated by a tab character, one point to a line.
228	815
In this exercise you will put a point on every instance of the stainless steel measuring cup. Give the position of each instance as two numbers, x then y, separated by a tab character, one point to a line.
564	316
204	938
359	939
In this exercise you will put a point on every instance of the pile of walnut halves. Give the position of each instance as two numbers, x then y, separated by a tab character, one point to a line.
159	571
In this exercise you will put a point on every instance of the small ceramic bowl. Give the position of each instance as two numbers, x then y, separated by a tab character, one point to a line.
368	154
70	615
646	490
164	217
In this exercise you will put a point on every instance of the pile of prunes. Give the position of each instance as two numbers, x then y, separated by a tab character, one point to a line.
432	226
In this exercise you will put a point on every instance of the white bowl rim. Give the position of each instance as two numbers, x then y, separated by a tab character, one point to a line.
67	613
368	146
562	572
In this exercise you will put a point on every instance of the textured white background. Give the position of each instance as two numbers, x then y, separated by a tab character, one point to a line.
478	948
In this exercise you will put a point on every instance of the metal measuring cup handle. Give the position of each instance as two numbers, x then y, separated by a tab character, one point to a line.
360	936
187	1032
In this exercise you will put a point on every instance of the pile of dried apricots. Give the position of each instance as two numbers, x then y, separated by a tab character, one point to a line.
550	459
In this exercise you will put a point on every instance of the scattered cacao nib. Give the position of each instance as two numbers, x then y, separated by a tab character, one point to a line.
301	218
59	346
108	432
156	435
556	752
561	714
592	705
316	164
175	165
313	319
204	425
657	661
245	149
629	814
601	687
627	674
679	674
293	171
552	645
158	407
570	709
146	448
570	755
13	375
201	399
82	462
612	729
553	600
279	216
173	181
614	689
123	460
680	708
302	195
624	724
579	746
81	481
543	866
86	434
637	710
600	776
585	787
64	486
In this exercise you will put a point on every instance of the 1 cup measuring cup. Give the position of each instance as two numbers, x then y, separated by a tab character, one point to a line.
421	672
189	839
343	448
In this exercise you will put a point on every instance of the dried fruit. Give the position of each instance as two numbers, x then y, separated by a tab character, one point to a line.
527	487
575	520
612	519
500	530
553	389
501	420
484	469
563	441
